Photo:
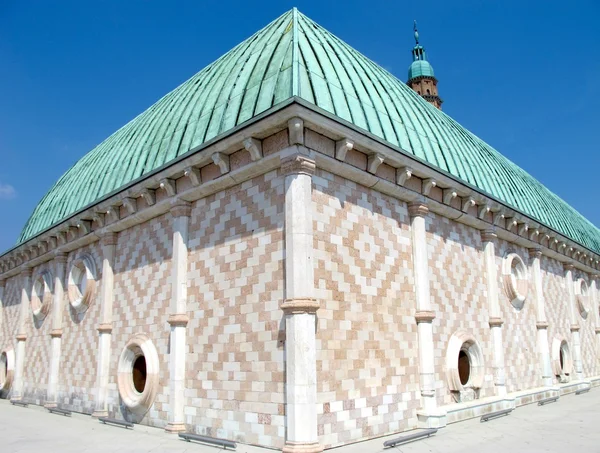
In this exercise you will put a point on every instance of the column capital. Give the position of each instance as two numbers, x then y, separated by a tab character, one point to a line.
26	271
60	257
292	306
21	337
489	235
575	327
108	238
597	330
2	282
496	322
178	320
181	208
298	164
541	325
535	252
568	267
425	316
417	209
56	333
105	328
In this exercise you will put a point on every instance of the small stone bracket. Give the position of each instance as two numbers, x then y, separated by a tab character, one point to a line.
342	147
498	217
193	174
533	234
99	217
467	203
130	205
374	161
254	147
85	226
428	184
403	174
449	195
523	229
168	185
105	328
222	161
113	213
149	195
483	210
511	222
296	131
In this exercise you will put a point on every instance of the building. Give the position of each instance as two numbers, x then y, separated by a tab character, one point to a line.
293	249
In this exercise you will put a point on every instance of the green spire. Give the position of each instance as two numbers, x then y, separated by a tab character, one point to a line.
418	51
420	67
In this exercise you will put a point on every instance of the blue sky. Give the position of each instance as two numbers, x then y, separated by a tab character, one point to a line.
522	75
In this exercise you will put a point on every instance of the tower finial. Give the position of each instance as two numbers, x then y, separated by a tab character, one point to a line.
416	32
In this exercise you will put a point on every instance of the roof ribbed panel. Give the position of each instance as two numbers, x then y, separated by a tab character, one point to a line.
293	56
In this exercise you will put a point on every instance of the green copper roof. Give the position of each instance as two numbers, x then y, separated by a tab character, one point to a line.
420	68
295	57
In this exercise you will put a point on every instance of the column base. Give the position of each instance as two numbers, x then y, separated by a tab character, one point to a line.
98	414
432	419
175	428
300	447
50	405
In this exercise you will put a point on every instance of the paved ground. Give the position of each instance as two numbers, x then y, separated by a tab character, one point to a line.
570	426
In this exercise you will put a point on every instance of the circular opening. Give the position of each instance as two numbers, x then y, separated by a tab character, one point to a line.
464	367
139	373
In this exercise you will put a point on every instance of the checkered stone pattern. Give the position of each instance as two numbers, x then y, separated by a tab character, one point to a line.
235	368
556	298
11	305
587	333
78	362
522	365
367	349
36	369
142	296
458	296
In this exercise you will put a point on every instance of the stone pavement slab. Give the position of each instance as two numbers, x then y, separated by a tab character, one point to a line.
572	425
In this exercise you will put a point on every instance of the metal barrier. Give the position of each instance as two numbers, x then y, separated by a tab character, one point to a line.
409	437
486	417
56	410
19	403
208	440
113	421
552	399
580	391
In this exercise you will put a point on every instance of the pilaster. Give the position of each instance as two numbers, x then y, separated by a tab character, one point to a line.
429	415
300	309
178	317
60	261
488	238
541	321
575	336
108	242
21	337
596	317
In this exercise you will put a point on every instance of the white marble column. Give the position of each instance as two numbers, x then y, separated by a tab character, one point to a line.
541	321
575	338
596	309
300	307
60	262
108	243
488	238
2	282
429	415
17	393
178	318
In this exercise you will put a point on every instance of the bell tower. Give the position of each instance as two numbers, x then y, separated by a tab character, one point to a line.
420	74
